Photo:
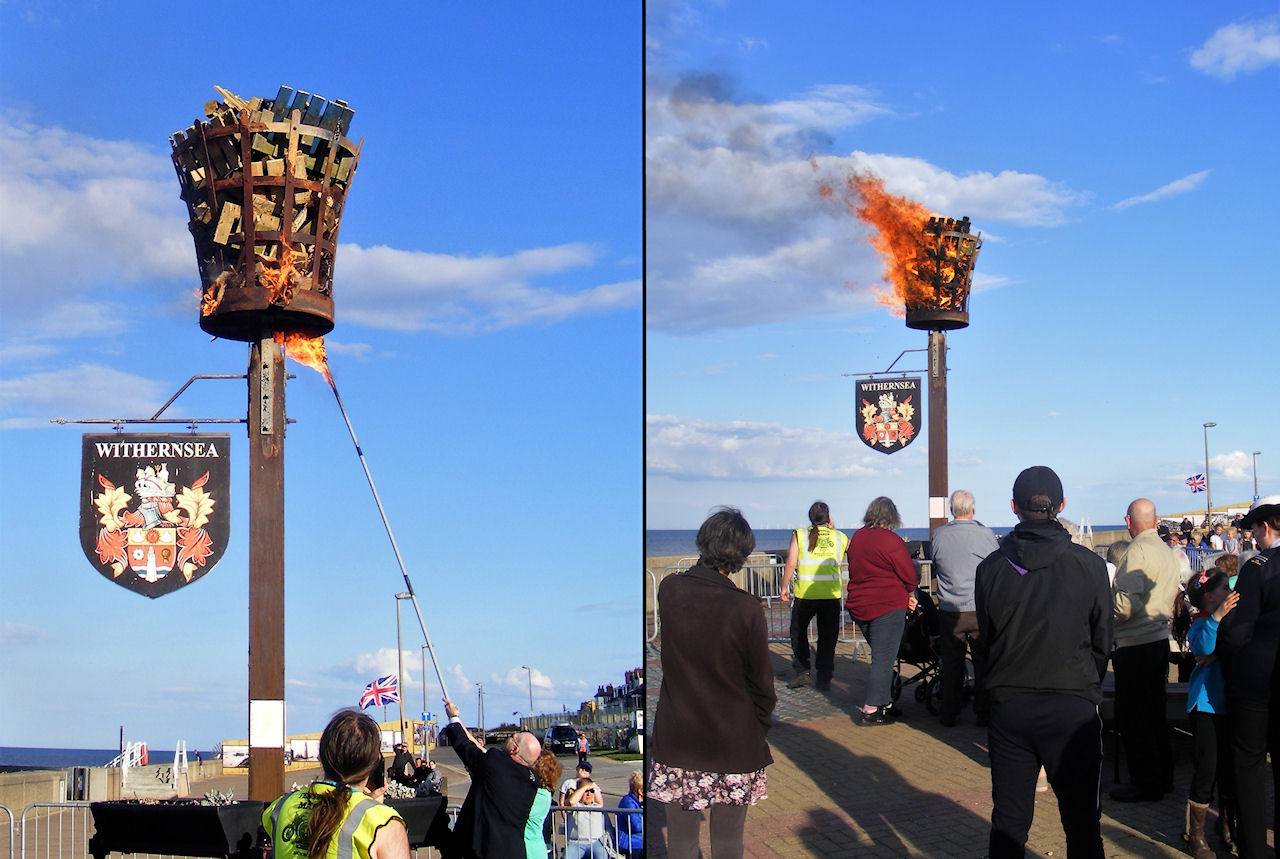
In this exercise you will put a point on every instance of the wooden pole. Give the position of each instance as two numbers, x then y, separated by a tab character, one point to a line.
266	569
937	429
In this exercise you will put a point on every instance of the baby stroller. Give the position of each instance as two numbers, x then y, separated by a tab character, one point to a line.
919	648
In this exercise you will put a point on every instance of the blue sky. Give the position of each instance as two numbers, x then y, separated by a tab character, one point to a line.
1119	160
488	350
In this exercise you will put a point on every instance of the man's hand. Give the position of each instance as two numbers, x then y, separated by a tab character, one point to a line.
450	709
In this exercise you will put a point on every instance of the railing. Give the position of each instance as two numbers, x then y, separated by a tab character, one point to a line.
61	830
7	832
617	820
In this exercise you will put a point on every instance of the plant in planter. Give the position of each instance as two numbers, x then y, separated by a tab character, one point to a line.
215	826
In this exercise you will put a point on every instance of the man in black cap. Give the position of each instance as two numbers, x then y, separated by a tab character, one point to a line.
1247	642
1044	620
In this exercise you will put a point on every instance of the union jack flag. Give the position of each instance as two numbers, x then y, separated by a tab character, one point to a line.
1196	482
384	690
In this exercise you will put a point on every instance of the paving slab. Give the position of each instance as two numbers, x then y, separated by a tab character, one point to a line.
910	788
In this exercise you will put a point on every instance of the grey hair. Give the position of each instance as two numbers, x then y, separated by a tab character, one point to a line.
961	503
882	513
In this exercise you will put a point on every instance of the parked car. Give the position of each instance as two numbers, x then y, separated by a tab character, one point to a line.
561	740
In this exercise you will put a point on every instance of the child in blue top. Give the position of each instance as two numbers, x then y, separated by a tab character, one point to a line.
1212	599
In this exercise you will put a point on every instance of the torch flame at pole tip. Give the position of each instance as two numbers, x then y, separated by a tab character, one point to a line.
308	351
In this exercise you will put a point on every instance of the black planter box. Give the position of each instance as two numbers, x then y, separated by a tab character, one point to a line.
426	818
175	827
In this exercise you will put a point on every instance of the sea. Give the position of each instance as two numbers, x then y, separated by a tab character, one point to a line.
682	542
13	758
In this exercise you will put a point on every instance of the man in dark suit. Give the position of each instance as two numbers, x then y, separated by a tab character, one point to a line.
491	822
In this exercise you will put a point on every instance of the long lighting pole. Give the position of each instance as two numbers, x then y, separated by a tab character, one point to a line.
530	670
480	686
1255	474
1208	487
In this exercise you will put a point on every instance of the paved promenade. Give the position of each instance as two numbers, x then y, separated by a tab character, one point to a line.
913	788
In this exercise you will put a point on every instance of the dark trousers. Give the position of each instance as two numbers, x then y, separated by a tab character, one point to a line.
827	612
727	823
1063	734
960	633
1253	735
1211	753
1142	673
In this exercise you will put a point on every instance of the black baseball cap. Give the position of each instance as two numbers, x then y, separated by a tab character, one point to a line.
585	765
1037	480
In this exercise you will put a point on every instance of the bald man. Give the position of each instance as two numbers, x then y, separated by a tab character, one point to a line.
491	821
1147	580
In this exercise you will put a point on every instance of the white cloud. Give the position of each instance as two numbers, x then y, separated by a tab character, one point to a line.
691	448
83	391
1172	189
1244	46
1236	465
737	230
416	291
86	224
18	634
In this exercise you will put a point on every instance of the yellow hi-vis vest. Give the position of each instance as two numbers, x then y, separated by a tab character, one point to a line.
288	822
818	574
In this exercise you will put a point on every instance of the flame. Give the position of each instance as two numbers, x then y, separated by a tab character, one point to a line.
922	266
282	278
306	350
211	296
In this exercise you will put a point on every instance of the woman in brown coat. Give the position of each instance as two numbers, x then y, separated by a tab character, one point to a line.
708	748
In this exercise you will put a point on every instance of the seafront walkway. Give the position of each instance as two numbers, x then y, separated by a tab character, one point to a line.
912	788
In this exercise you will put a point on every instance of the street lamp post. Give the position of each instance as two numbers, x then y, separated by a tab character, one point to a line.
424	681
1255	474
1208	486
400	666
480	686
530	670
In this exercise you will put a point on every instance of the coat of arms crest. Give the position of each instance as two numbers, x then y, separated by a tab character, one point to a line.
154	509
887	416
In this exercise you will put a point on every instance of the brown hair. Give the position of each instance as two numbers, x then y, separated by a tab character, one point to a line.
1228	563
350	750
819	514
548	770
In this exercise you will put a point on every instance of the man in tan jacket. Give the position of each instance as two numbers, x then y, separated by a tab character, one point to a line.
1146	584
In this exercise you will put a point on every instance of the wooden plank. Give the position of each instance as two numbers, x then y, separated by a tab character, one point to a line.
227	219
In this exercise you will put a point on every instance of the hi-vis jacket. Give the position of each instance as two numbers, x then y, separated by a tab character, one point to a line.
287	821
818	573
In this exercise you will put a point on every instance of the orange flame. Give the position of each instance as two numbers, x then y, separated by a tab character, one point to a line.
923	260
306	350
281	279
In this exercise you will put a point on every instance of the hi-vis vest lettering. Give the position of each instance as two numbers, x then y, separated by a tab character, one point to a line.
818	572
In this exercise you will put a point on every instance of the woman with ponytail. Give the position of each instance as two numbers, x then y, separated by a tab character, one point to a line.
813	561
314	823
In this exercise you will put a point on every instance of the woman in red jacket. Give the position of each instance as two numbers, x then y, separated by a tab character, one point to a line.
882	583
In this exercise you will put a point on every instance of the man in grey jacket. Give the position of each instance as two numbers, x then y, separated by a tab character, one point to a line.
958	547
1147	580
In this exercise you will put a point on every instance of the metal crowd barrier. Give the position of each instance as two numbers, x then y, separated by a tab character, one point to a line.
559	822
61	830
7	833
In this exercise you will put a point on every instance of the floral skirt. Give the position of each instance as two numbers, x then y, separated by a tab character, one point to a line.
694	790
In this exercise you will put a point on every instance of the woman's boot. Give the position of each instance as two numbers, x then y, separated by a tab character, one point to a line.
1193	834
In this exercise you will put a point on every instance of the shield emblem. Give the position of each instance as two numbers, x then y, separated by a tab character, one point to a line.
154	509
888	416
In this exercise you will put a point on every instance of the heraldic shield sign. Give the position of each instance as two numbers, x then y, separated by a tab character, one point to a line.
155	509
888	413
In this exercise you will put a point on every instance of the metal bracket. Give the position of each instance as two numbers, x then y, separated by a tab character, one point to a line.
192	423
890	367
